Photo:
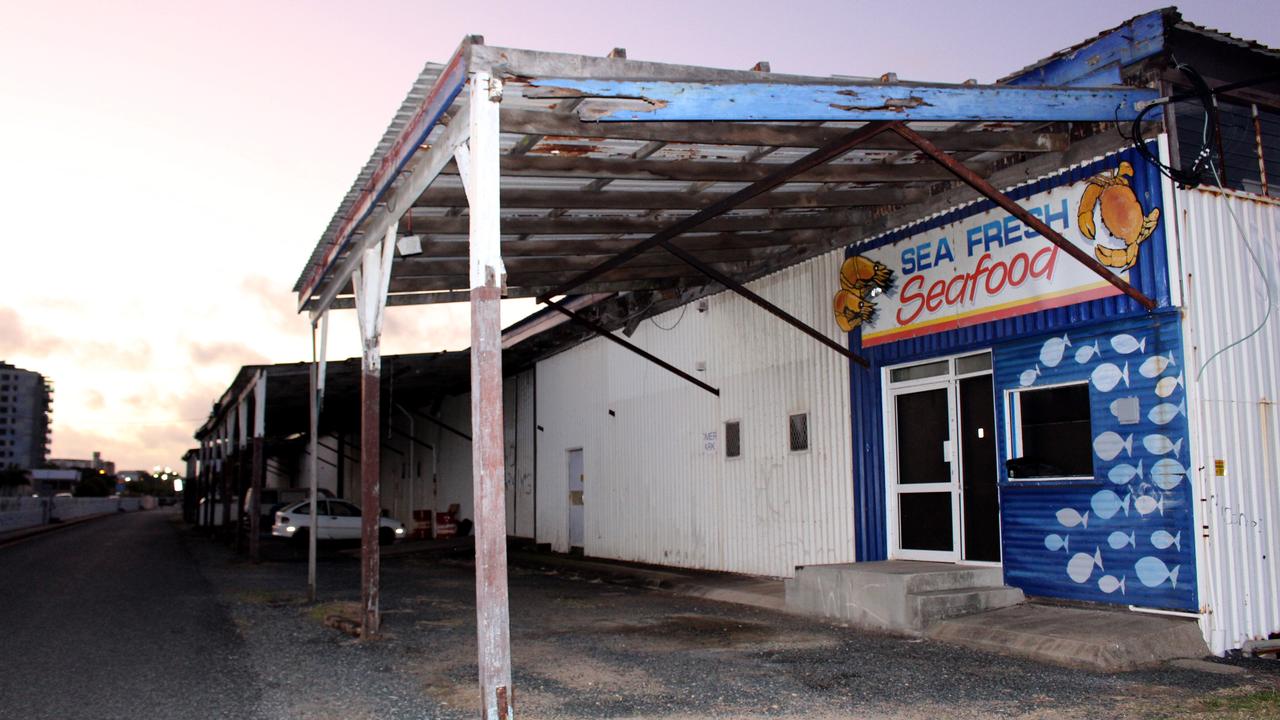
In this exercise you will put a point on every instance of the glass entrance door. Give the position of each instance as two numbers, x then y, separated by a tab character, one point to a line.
940	459
925	477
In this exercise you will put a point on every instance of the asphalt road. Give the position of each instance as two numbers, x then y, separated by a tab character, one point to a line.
112	619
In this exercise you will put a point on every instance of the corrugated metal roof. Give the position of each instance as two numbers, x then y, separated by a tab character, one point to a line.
565	181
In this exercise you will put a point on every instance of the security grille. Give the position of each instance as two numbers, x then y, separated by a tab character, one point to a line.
799	425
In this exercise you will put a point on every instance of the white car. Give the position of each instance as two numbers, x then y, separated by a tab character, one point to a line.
337	520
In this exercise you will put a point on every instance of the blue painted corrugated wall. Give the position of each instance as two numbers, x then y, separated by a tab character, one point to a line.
1149	275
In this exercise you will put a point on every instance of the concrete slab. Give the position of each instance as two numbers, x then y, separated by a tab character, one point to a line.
1100	640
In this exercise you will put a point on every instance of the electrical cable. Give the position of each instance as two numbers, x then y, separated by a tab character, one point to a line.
1192	177
1266	280
683	308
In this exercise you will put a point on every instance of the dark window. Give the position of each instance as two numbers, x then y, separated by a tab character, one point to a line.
341	509
799	427
733	439
1055	433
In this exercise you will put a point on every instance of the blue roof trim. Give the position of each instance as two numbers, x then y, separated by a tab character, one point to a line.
1135	40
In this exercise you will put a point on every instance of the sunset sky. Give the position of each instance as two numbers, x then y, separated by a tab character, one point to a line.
166	167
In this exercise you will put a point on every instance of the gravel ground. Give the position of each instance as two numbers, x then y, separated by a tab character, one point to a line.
587	649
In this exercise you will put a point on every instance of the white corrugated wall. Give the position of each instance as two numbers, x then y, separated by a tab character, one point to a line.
1234	418
454	466
653	492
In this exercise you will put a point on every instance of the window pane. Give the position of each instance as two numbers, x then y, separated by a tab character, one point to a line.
917	372
973	363
924	520
732	439
799	427
1056	433
923	426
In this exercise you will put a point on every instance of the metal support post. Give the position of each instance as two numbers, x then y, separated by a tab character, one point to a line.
989	191
482	178
241	445
818	157
316	403
371	281
604	333
259	462
755	299
224	471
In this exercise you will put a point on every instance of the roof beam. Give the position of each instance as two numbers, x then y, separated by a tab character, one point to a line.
536	123
667	200
763	101
613	224
710	170
438	248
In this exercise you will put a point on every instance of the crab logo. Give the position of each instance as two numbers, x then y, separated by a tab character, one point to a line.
861	280
1121	214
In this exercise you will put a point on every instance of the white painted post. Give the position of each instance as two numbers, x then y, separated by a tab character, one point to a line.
258	476
482	178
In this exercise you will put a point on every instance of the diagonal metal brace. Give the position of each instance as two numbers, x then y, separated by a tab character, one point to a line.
769	307
822	155
989	191
602	332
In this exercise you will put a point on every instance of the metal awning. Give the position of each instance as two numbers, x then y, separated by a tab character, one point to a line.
598	154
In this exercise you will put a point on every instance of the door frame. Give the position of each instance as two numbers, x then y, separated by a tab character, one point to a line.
950	380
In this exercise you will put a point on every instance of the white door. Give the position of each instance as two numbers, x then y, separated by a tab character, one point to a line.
576	505
921	465
940	461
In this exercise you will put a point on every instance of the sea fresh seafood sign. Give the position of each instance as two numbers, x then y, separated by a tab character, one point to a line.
991	265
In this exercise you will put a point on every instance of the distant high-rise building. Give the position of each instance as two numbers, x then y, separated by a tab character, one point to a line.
26	401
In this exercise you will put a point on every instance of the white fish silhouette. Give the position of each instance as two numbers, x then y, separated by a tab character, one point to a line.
1167	473
1109	444
1167	385
1088	352
1118	539
1080	566
1164	413
1109	584
1162	445
1153	366
1147	504
1070	517
1056	542
1161	539
1029	376
1052	351
1125	344
1153	572
1106	376
1122	474
1106	504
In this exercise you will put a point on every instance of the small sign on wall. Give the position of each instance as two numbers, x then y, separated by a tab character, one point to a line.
710	441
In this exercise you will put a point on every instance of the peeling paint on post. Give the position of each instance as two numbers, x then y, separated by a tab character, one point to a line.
371	501
370	281
482	178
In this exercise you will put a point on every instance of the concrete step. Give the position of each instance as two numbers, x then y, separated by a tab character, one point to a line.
900	596
938	605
